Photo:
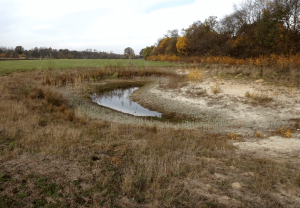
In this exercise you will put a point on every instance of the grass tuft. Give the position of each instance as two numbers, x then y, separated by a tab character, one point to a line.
216	88
195	75
258	134
233	136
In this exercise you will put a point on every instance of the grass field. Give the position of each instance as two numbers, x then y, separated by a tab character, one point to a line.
25	65
54	153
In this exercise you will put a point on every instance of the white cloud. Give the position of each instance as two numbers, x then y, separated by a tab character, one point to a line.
40	27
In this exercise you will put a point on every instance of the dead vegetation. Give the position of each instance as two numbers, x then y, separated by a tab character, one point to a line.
174	82
53	155
78	75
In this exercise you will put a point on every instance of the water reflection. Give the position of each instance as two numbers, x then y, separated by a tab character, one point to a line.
119	100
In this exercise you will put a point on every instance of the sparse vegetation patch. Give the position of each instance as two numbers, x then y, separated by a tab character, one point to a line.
57	149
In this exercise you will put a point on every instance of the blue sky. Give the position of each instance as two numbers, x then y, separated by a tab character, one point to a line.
103	25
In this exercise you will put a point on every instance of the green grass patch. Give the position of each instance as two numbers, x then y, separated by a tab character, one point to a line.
27	65
52	190
21	195
5	203
4	177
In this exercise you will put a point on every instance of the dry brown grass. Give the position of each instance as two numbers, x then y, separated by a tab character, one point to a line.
259	99
78	75
196	92
216	88
280	63
52	154
174	82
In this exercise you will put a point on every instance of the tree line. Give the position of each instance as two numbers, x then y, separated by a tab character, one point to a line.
255	28
44	52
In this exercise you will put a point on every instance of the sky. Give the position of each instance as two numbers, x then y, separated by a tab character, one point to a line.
104	25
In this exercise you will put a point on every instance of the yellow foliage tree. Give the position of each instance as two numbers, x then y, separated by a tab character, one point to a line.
162	46
182	45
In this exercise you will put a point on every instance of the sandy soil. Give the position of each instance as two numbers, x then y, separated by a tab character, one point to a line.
274	146
240	114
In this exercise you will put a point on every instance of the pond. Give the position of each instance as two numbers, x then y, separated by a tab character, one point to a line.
119	100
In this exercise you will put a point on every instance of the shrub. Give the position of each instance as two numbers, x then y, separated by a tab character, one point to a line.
195	75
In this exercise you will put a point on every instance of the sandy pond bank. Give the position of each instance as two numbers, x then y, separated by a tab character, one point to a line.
225	112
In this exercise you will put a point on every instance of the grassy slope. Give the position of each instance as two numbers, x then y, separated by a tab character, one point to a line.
13	66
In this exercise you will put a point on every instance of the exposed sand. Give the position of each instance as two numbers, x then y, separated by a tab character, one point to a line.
225	112
244	118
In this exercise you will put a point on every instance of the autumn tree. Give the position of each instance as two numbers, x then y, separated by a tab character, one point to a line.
172	41
181	45
162	45
148	51
128	51
167	44
203	38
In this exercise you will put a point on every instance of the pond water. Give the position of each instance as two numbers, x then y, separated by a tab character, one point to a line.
119	100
